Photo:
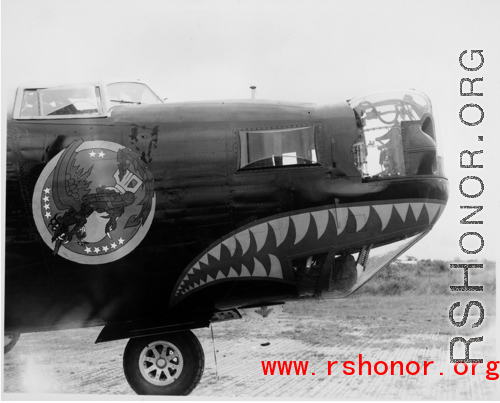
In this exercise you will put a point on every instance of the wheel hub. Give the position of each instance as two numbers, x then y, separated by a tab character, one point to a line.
161	363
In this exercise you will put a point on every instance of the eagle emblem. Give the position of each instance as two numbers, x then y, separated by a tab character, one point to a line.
94	202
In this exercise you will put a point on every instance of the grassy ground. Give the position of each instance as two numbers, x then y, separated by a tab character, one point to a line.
401	299
383	317
428	277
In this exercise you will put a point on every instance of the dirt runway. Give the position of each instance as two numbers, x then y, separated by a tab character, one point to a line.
68	362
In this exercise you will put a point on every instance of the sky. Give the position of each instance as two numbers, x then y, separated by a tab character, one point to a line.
312	51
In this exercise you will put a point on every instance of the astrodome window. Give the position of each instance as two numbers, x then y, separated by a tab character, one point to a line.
83	100
277	148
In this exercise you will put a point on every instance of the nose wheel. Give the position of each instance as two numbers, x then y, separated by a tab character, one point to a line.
167	364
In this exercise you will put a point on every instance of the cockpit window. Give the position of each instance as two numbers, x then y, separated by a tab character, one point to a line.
395	134
277	148
30	106
131	93
61	101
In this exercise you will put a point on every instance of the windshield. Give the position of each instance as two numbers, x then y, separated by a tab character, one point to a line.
60	101
392	128
131	93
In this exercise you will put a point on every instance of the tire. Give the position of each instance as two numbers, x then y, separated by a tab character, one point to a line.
9	344
150	370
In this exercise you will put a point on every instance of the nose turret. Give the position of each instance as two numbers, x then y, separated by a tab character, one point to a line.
396	136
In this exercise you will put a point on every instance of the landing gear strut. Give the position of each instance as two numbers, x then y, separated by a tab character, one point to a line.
165	364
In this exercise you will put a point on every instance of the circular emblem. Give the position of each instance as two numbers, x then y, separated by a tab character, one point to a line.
94	202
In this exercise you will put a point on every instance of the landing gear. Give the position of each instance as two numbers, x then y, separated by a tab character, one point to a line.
9	341
165	364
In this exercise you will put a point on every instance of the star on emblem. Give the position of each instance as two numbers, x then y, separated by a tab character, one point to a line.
46	206
101	154
87	250
46	199
113	245
97	250
120	241
46	190
48	215
92	154
105	248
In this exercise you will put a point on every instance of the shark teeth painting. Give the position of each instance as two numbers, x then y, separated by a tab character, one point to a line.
260	250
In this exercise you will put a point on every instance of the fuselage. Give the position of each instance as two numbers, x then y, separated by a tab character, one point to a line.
223	233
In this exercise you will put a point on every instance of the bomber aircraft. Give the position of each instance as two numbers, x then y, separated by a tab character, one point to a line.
151	219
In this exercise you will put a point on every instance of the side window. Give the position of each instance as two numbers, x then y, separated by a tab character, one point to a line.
277	148
61	101
130	93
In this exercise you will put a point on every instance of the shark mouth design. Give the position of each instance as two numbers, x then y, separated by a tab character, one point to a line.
260	250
